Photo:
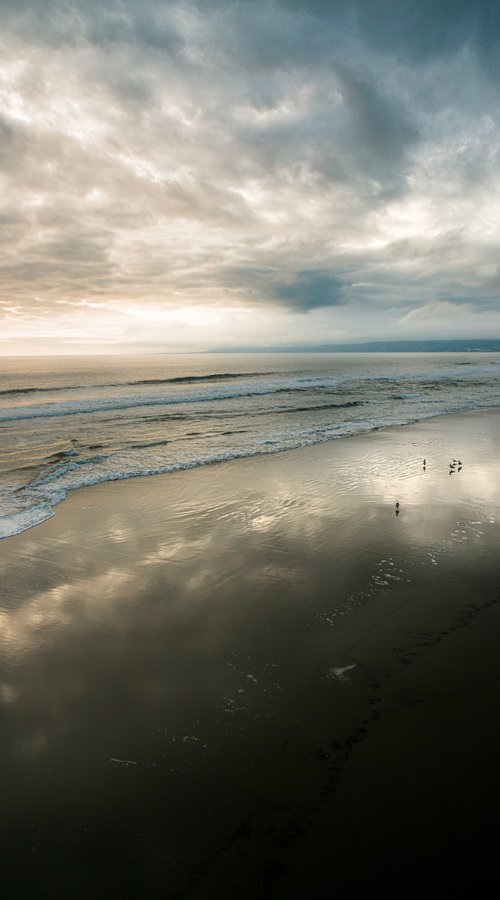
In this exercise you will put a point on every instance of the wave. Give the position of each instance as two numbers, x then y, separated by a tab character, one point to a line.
181	379
211	391
434	379
146	444
110	404
194	379
62	454
12	392
349	404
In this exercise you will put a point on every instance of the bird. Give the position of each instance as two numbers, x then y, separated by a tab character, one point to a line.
397	504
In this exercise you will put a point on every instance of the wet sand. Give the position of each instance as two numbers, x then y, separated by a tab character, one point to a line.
256	679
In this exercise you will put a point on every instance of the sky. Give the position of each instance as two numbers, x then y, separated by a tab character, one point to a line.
183	176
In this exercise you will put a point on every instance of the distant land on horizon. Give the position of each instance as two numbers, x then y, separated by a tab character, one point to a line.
476	345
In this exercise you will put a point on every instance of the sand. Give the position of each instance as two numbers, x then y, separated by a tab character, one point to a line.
255	679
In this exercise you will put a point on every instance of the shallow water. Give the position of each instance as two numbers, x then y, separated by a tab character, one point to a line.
66	423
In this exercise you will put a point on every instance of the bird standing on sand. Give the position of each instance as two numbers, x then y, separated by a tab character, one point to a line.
397	504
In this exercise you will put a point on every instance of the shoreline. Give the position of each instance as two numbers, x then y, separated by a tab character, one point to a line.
363	436
255	678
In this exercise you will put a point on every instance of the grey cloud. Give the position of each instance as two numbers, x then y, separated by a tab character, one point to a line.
147	24
68	260
447	247
416	30
377	122
308	290
297	291
6	133
379	133
270	153
425	30
11	142
346	131
116	21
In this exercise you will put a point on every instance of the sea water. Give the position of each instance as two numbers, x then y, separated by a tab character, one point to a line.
66	423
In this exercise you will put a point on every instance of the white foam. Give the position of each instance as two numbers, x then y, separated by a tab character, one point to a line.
338	673
21	521
123	762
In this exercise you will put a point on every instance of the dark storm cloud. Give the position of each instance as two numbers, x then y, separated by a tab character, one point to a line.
310	290
300	291
379	134
419	30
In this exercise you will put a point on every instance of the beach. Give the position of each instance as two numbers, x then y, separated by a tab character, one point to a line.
254	678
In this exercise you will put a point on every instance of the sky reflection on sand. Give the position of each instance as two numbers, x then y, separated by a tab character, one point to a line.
189	624
204	530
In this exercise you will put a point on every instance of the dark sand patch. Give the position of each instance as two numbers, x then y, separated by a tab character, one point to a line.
289	669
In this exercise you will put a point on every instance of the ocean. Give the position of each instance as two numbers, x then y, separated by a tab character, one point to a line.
66	423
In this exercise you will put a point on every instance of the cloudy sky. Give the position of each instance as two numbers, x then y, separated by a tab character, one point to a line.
189	175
